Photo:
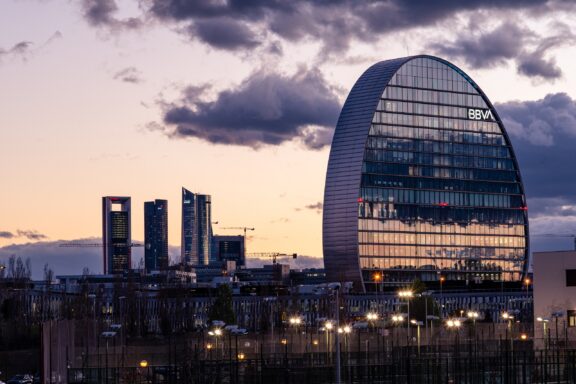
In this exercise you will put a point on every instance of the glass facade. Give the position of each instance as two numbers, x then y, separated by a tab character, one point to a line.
116	234
439	192
196	228
156	235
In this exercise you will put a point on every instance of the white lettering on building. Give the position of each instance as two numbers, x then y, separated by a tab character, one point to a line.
480	114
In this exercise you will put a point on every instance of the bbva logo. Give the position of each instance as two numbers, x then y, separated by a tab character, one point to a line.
480	114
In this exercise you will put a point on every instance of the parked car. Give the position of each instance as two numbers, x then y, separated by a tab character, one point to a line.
21	379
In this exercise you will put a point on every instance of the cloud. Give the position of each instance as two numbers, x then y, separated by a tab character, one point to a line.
314	207
100	13
31	235
69	261
334	23
129	75
21	49
543	134
266	109
488	49
28	234
224	33
507	42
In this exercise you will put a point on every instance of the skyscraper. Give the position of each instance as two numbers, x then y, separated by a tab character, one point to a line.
116	234
422	181
196	228
156	235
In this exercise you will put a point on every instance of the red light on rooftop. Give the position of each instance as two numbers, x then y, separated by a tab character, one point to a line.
524	208
443	204
360	200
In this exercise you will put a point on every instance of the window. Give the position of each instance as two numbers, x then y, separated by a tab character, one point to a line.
571	277
571	318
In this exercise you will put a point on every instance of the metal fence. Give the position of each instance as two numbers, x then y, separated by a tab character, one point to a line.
503	361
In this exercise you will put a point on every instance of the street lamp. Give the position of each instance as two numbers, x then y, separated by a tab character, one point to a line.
417	324
407	294
377	279
544	322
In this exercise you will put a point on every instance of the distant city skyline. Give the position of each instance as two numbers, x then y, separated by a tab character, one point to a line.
239	102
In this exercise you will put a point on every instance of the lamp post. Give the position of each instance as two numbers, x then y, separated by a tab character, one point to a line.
454	324
417	324
107	335
377	279
295	322
556	315
397	319
442	278
407	294
544	322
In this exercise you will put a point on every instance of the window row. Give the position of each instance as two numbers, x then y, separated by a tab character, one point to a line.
432	83
422	227
386	196
387	105
422	239
429	68
419	158
434	97
436	264
438	214
438	172
375	180
448	135
417	145
435	122
460	254
408	276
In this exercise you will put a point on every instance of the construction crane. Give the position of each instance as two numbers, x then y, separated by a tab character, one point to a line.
557	235
242	228
272	255
95	245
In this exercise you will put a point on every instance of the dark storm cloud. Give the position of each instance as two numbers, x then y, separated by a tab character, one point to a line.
224	33
129	75
543	133
485	50
101	13
267	108
509	42
6	235
335	23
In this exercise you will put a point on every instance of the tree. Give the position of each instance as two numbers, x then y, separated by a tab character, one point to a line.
221	308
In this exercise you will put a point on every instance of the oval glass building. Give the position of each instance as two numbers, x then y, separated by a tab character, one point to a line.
422	182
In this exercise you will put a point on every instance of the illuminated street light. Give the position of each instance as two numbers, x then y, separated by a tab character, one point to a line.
397	318
347	329
328	326
295	320
407	294
241	356
371	316
143	364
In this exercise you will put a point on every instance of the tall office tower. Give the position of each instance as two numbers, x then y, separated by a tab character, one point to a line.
196	228
156	235
422	182
116	234
228	248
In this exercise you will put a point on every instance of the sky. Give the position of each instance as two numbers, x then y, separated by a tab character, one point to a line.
238	99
